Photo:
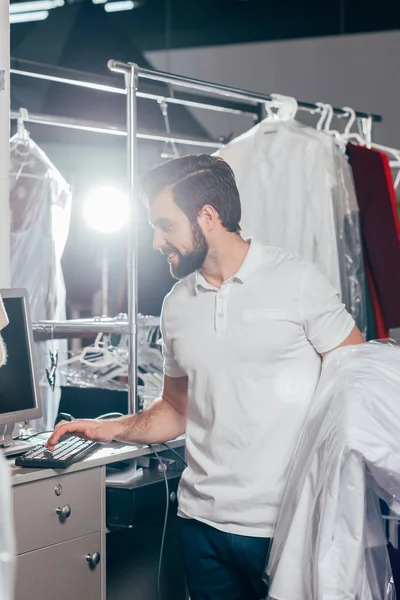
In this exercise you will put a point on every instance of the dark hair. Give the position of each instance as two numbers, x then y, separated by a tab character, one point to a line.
197	180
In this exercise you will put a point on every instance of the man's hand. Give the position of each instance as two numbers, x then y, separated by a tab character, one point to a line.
88	429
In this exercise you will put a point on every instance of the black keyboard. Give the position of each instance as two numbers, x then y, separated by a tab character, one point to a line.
64	454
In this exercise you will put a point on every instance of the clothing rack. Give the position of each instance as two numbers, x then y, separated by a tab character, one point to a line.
72	327
227	101
93	127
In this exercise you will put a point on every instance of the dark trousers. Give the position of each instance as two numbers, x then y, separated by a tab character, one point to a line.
223	566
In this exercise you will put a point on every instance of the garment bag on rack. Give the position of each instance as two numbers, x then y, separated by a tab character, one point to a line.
6	527
346	215
40	204
286	193
297	192
6	533
348	235
330	540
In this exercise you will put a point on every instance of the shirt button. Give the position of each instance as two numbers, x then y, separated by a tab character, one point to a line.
219	315
221	296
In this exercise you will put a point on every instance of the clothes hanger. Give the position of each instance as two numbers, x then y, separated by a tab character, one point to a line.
99	355
163	104
21	146
328	123
323	109
286	106
22	133
349	135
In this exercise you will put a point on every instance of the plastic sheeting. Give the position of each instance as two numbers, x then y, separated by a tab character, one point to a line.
330	540
297	192
6	533
348	236
40	204
6	520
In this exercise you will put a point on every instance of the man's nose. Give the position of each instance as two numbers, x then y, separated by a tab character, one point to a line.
158	240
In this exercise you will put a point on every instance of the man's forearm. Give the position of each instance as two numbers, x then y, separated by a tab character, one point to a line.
160	423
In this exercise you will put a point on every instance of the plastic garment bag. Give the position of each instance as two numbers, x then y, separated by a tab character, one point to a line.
6	520
6	533
347	225
297	191
282	174
348	236
330	541
3	323
40	204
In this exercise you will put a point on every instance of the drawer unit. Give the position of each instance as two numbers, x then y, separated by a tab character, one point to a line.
50	511
65	571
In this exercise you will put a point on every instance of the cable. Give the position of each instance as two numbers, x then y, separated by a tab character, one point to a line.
177	454
165	521
31	436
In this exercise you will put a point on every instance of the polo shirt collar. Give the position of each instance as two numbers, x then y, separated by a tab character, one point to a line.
247	267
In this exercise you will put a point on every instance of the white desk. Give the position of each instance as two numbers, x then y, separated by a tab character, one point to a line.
60	526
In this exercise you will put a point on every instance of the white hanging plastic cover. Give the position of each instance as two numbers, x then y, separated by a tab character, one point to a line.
6	518
3	323
40	206
330	541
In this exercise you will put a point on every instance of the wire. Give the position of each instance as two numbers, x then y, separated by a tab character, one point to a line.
163	469
33	435
177	454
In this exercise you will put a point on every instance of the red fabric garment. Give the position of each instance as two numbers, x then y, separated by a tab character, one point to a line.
392	191
380	233
381	332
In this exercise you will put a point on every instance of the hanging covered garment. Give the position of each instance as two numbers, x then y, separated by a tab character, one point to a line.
378	228
285	190
297	192
348	236
6	533
6	519
347	224
3	323
330	541
40	205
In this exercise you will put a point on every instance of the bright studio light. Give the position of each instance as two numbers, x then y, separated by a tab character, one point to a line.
35	5
119	6
106	209
39	15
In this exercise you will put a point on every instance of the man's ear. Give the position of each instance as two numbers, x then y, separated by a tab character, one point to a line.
209	217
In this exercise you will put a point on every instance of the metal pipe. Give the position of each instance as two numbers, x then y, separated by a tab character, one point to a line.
118	326
69	123
214	88
146	95
85	84
131	83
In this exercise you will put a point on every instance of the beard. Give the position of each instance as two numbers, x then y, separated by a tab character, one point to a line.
191	261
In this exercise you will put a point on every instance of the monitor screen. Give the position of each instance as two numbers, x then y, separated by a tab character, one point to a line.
18	383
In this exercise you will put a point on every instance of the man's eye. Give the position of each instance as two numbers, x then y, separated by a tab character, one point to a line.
166	228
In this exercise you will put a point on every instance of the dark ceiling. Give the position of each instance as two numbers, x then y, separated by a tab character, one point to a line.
158	24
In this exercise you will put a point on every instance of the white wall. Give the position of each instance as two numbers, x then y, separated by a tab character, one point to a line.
362	71
4	147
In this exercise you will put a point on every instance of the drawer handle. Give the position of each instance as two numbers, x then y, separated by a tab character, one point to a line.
64	512
93	559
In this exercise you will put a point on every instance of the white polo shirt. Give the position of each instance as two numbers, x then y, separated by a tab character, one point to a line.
250	352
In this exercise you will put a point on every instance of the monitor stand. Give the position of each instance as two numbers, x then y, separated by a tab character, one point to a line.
11	447
6	435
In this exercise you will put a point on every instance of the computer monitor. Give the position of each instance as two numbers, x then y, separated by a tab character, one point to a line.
19	388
